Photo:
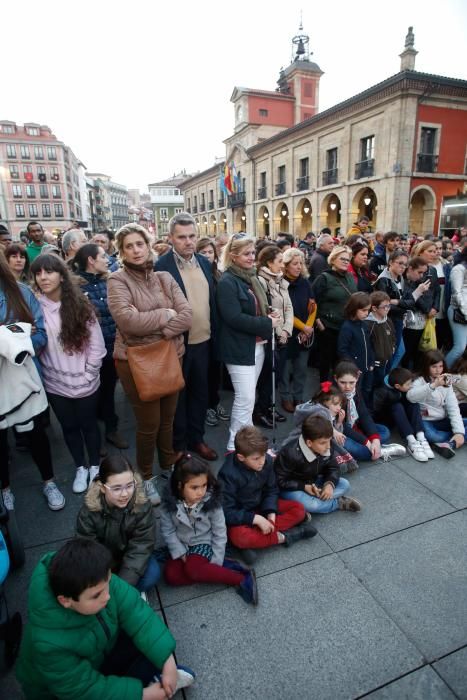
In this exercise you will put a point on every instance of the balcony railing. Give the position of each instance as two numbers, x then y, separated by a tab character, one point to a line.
188	210
221	202
202	207
280	188
303	183
262	192
366	168
330	177
210	205
427	163
195	210
237	199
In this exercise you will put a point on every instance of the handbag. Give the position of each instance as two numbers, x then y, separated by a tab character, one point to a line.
458	317
156	369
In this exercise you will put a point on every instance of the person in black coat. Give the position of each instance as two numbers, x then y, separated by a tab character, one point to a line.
307	470
256	518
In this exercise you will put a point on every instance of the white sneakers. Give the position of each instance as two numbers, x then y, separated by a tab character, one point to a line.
151	492
392	450
80	484
8	499
55	498
426	446
93	472
416	451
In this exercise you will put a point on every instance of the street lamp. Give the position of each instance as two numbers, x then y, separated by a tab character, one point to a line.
306	209
266	215
284	212
367	200
333	206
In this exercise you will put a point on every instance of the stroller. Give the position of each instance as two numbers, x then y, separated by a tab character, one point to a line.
11	554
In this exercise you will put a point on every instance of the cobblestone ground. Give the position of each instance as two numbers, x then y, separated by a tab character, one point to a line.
375	605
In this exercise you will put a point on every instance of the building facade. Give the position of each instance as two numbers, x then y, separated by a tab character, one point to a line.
40	179
166	200
108	202
391	152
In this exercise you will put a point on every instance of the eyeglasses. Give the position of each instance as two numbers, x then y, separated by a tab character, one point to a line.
117	490
384	306
344	260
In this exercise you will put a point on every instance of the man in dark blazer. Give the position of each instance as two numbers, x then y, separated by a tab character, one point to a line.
193	274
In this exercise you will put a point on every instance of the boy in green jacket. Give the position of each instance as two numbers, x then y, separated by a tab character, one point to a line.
91	636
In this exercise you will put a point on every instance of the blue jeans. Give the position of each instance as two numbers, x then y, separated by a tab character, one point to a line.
361	452
439	430
316	505
151	576
459	336
400	347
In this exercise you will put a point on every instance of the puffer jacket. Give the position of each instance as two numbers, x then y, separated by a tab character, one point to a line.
127	532
458	284
276	288
204	524
95	288
297	466
152	293
436	404
354	344
62	650
246	492
332	291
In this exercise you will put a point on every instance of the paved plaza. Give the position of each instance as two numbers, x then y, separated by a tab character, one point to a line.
375	605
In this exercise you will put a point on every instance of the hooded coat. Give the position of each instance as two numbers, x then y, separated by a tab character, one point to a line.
127	532
62	650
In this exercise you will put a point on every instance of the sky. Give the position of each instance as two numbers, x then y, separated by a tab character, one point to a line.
141	90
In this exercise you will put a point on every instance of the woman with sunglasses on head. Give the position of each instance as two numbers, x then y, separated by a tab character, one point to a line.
245	326
117	513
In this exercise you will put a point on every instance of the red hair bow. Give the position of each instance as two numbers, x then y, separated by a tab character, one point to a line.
325	386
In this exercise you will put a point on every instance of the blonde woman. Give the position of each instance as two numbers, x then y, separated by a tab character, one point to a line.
292	381
245	326
332	290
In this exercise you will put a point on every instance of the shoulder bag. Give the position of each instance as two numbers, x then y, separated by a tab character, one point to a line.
156	369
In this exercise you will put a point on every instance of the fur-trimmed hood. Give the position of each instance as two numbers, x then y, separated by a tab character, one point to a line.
96	502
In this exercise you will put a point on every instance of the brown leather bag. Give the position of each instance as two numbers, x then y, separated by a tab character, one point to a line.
156	369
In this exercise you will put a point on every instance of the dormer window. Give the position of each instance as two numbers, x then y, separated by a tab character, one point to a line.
33	131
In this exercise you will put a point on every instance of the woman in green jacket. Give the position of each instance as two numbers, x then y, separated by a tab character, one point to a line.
117	514
332	290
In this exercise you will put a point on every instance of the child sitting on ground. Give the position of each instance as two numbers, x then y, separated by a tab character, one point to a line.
443	424
353	343
90	635
117	514
459	382
382	336
327	402
194	530
391	400
307	470
255	517
362	436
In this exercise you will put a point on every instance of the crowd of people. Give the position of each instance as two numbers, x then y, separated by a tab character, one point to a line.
382	319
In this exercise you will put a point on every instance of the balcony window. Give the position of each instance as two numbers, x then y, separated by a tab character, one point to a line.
211	204
330	177
30	191
54	174
58	210
38	153
51	153
238	199
25	153
17	191
14	172
366	168
46	210
221	201
427	163
367	148
10	150
280	188
262	192
19	210
303	183
43	192
33	213
56	192
427	159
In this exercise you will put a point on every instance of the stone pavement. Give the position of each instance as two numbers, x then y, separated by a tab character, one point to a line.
375	605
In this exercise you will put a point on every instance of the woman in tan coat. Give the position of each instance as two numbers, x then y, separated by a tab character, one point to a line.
147	306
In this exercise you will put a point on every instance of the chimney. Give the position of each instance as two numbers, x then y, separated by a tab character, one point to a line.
408	55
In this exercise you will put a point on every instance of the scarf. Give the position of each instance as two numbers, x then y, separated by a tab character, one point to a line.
250	277
352	413
148	265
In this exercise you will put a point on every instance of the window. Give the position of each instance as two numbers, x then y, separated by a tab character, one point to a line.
203	203
25	152
14	172
54	174
163	213
367	148
32	131
17	192
178	210
58	210
10	150
46	210
33	211
427	140
43	192
427	158
8	129
303	181
330	174
281	173
40	170
30	191
19	209
38	153
56	193
263	112
51	153
262	189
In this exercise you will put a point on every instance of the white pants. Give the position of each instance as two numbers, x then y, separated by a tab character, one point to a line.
244	379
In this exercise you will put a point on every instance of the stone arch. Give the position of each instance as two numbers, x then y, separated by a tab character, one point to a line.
239	220
303	217
422	210
212	225
263	225
330	213
361	208
281	220
204	226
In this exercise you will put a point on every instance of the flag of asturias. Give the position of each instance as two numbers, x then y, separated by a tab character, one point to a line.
228	179
235	179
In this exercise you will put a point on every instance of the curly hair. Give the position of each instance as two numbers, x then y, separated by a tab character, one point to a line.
76	311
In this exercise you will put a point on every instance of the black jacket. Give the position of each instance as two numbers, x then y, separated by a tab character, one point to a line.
318	264
239	326
354	344
406	300
294	471
246	492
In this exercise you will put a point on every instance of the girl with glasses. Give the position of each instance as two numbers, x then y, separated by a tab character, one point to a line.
117	513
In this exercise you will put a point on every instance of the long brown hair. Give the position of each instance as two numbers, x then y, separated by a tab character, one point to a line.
76	311
16	306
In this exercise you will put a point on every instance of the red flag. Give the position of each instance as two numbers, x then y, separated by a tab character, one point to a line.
28	177
228	179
